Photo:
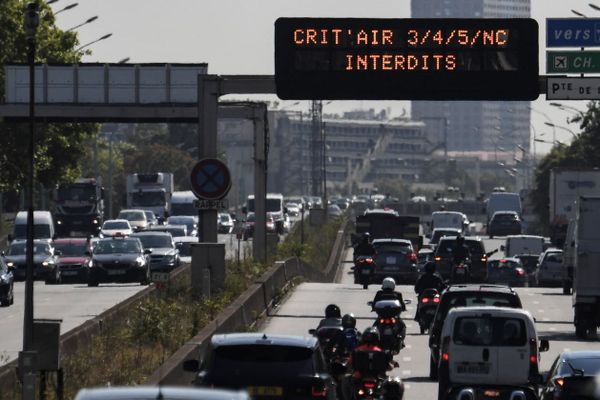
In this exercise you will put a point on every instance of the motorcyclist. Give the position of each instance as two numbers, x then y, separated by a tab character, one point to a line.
460	252
350	335
333	317
388	292
364	246
429	280
370	342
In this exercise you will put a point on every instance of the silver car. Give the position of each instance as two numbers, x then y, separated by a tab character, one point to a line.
154	392
549	272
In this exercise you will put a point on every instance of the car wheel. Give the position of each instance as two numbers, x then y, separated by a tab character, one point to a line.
433	370
491	236
580	331
92	283
12	296
5	302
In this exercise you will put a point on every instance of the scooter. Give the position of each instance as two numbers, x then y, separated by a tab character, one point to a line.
364	270
329	339
428	302
389	324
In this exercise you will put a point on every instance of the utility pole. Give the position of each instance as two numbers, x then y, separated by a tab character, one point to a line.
316	147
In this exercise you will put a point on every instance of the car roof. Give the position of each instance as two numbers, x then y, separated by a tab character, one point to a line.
233	339
505	212
381	211
19	241
514	259
574	355
499	311
471	287
70	240
524	237
151	233
109	239
466	238
391	240
553	250
152	392
446	229
117	220
180	239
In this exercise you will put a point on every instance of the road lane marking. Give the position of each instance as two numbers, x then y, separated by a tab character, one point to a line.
406	372
553	329
407	386
406	358
540	311
536	302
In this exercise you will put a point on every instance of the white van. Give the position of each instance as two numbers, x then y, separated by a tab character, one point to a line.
489	346
43	226
523	244
449	219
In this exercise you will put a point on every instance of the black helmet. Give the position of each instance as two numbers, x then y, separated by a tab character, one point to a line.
370	335
459	238
392	389
430	267
366	237
332	311
348	321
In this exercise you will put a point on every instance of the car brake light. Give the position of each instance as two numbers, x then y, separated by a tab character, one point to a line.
382	321
318	391
369	261
559	381
520	272
445	345
436	299
425	300
438	258
369	385
413	257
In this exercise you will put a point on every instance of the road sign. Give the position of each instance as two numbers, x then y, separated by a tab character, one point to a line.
572	62
211	204
573	89
210	179
406	59
572	32
161	277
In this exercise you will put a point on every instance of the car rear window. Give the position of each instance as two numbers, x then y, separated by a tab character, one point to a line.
489	331
475	246
510	264
554	258
506	217
392	247
530	263
261	360
590	366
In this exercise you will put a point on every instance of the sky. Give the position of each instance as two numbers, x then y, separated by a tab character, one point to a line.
236	37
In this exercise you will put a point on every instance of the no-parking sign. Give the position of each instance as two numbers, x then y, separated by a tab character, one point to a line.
210	179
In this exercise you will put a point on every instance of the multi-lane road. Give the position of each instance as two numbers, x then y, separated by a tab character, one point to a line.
305	306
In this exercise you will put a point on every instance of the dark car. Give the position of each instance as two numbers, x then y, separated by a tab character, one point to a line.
395	258
465	296
189	221
45	260
443	257
530	264
119	259
165	256
267	366
74	258
504	223
174	230
7	295
572	376
249	226
507	271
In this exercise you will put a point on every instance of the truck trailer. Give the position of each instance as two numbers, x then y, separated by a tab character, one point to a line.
150	191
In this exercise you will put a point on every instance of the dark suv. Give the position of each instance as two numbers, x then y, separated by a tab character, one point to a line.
443	257
504	223
466	296
267	366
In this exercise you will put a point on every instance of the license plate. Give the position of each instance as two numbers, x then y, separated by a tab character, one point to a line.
390	268
390	260
265	391
460	271
77	233
388	331
430	311
476	369
116	272
365	272
68	273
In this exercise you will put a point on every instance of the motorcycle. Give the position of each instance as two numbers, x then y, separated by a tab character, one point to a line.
428	302
461	272
389	325
329	338
364	270
369	370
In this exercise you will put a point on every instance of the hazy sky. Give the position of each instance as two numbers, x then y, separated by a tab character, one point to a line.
236	36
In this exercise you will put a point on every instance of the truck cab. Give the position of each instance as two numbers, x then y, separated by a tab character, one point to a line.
79	208
150	191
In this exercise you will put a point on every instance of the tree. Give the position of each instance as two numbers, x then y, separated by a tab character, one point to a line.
59	147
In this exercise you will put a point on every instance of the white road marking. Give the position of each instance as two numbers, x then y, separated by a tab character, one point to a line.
406	372
406	358
536	302
553	329
540	311
406	386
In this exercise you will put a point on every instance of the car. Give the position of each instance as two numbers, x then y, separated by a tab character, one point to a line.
493	347
183	244
165	255
571	376
45	260
248	229
152	219
504	223
174	230
293	209
111	227
550	268
189	221
479	256
333	210
119	259
7	281
74	257
438	233
507	271
158	392
137	219
225	223
395	258
530	264
423	257
469	295
343	203
266	365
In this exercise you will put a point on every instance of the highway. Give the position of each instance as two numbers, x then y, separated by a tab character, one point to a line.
305	306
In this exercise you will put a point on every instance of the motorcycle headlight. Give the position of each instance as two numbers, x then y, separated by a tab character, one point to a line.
95	222
45	264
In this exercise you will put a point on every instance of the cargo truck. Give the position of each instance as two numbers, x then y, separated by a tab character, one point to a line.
586	274
79	208
150	191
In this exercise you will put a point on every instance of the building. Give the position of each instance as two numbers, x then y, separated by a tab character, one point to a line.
474	125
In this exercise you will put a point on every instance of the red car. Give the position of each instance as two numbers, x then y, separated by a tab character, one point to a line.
75	258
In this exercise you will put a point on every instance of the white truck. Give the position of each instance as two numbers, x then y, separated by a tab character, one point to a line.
566	185
150	191
586	274
274	207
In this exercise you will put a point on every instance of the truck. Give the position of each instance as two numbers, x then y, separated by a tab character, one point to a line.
388	224
566	185
150	191
586	274
274	208
79	207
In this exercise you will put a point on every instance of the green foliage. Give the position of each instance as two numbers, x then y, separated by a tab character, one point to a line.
58	146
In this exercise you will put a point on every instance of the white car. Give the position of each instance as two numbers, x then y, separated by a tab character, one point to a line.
137	219
489	346
293	209
112	227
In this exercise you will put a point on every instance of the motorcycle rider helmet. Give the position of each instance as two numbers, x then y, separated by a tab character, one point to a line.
366	237
332	311
370	336
348	321
459	239
388	284
430	267
392	389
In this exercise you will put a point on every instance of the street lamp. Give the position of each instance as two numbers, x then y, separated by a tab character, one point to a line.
563	128
95	41
88	21
123	60
579	14
70	6
595	7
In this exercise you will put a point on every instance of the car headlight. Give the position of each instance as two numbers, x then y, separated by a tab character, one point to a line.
95	222
45	264
10	264
140	262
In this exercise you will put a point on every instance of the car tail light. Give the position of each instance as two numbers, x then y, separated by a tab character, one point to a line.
520	271
559	382
318	391
413	257
483	259
438	258
533	359
436	299
425	300
369	260
369	385
445	346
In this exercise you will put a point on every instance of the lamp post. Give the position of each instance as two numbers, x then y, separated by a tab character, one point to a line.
579	14
94	41
87	21
563	128
70	6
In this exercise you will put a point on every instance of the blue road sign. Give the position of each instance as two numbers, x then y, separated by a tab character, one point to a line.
572	32
210	179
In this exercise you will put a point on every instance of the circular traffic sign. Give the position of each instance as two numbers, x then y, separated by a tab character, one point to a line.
210	179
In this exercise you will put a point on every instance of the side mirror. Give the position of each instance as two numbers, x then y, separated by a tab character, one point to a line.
433	342
191	365
312	331
408	301
148	251
502	248
370	303
544	345
285	210
57	253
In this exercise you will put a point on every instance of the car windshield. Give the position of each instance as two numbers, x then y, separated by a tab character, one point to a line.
18	249
509	264
149	215
185	248
438	234
148	199
392	247
116	246
506	217
188	222
71	249
39	231
155	241
554	258
590	366
132	215
115	225
224	218
490	331
529	262
249	361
